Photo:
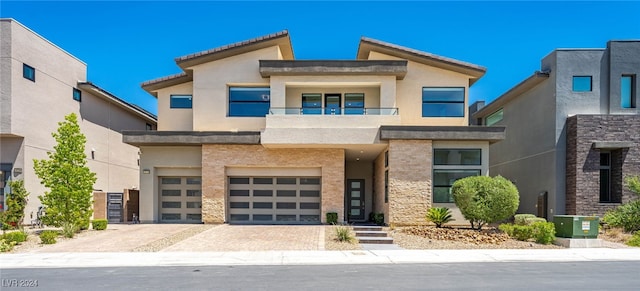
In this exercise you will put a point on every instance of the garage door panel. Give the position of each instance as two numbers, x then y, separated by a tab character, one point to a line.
180	199
274	199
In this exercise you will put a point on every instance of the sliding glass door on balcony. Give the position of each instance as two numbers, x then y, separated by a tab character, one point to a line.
333	104
354	103
312	103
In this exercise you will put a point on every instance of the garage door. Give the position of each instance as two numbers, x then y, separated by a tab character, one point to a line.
180	199
286	200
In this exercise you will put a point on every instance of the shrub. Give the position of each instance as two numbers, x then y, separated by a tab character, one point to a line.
343	234
15	236
483	199
16	201
378	218
99	224
544	232
520	219
332	218
439	215
48	237
626	216
6	246
507	228
635	240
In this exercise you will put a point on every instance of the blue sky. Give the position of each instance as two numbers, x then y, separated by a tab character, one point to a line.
126	43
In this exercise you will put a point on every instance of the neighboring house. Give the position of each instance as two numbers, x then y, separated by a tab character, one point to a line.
248	134
573	131
40	84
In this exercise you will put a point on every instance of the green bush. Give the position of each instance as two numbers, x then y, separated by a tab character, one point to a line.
15	236
16	201
332	218
520	219
483	199
378	218
48	237
99	224
6	246
544	232
439	215
343	234
626	216
635	240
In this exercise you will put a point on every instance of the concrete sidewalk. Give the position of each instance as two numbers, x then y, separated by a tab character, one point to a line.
54	260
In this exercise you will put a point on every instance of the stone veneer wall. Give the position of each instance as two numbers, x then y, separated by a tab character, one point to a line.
378	187
216	158
410	171
583	161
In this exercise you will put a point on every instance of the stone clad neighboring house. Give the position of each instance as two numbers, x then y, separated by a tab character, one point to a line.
248	134
573	131
39	84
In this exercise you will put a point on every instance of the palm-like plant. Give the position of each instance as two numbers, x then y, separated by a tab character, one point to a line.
439	215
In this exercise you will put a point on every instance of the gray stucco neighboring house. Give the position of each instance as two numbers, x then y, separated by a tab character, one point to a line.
573	130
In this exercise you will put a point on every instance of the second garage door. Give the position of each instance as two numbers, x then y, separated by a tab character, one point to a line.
270	200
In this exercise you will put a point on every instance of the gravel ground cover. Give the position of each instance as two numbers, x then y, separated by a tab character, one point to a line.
331	242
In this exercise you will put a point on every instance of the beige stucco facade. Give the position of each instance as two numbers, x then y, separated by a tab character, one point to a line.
240	154
31	111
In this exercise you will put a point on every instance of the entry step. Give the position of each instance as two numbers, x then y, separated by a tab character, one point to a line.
367	228
374	240
370	233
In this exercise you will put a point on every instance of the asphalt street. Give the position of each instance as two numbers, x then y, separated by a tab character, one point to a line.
618	275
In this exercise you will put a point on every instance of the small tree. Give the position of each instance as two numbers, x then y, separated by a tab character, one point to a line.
626	216
483	199
65	173
16	202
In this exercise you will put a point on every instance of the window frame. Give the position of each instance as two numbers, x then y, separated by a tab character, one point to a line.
450	185
631	91
499	112
26	68
173	105
607	168
458	149
441	102
573	83
314	109
231	102
351	109
79	95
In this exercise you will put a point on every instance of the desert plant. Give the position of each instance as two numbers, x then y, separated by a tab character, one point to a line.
6	246
48	237
99	224
16	201
626	216
543	232
15	236
439	215
378	218
483	199
520	219
635	240
343	234
332	218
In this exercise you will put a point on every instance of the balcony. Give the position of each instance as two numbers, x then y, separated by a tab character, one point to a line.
294	126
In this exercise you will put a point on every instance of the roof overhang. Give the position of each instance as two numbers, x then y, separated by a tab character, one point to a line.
188	138
333	67
153	85
612	145
464	133
524	86
367	45
104	94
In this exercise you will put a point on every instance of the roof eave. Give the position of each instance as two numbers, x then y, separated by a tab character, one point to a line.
536	78
123	104
153	85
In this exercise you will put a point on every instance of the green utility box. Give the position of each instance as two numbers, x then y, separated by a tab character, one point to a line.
574	226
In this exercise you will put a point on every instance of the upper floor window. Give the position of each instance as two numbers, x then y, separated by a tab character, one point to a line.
181	101
494	118
311	103
627	91
28	72
249	101
77	95
354	103
442	102
581	83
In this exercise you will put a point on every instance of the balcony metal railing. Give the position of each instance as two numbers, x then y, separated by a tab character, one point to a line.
331	111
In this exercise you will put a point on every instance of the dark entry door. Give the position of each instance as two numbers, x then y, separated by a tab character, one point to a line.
355	196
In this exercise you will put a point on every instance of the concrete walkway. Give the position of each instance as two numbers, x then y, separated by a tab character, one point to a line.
52	260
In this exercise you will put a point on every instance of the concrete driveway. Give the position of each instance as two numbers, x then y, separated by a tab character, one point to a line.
188	237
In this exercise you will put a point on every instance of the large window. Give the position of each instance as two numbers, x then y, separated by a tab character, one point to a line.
28	72
181	101
457	157
444	179
354	103
249	101
627	91
311	103
442	102
581	83
494	118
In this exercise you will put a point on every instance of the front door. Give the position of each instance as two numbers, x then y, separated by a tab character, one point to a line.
355	194
332	103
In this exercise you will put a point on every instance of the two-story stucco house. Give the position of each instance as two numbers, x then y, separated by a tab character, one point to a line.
40	83
248	134
573	131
